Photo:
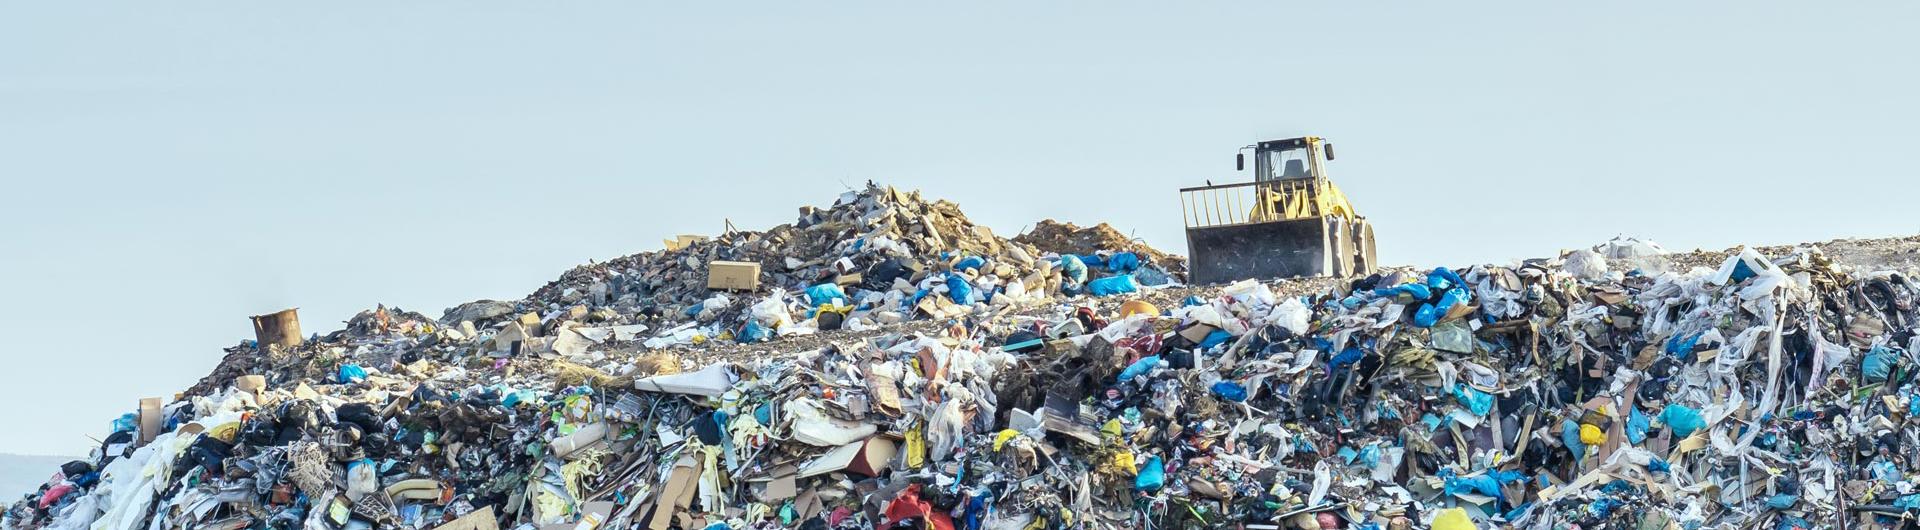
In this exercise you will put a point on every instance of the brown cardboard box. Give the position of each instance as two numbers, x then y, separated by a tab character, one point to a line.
733	275
251	384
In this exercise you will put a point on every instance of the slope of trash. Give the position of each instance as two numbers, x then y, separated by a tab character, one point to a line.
894	365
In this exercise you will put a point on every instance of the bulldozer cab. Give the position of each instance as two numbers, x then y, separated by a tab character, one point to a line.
1289	221
1291	159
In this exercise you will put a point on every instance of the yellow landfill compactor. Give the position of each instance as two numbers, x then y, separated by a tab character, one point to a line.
1290	221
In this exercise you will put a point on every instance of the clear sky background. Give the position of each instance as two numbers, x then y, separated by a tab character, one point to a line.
170	168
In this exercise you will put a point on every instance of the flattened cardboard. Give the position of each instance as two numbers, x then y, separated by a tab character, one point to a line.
481	519
869	457
251	384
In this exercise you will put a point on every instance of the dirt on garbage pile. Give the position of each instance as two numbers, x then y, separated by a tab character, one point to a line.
851	241
1896	253
1068	238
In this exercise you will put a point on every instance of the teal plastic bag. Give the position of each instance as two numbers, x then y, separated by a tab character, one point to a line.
824	294
1682	419
1637	425
753	332
352	373
1152	476
1112	285
1480	403
1073	268
1570	435
1878	364
125	423
1139	368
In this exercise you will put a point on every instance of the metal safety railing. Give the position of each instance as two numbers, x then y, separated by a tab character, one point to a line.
1249	202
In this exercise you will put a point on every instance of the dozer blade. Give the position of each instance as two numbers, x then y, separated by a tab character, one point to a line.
1322	246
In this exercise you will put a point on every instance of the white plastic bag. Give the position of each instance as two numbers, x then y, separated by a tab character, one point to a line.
1291	314
1586	264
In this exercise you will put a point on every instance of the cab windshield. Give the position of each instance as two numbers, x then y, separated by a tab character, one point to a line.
1283	164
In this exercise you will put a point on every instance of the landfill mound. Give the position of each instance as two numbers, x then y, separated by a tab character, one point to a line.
867	241
987	384
1067	238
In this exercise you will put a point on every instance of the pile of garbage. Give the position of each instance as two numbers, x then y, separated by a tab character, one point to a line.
1068	238
1772	392
877	256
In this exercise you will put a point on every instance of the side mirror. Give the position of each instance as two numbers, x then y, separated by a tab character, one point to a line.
1329	148
1239	161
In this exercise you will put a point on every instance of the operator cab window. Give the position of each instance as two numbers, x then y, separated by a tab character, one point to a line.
1285	164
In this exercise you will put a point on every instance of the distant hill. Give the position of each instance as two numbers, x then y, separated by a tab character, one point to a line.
21	474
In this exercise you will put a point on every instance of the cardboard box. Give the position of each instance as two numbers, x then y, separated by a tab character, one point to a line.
733	275
251	384
149	419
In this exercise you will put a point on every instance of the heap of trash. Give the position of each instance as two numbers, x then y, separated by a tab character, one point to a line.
877	256
963	382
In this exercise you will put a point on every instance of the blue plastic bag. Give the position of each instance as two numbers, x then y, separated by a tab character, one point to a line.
1152	476
1151	276
1112	285
1782	501
1370	456
753	332
969	263
1230	391
352	373
1216	338
1412	290
959	290
1123	262
1444	278
1429	314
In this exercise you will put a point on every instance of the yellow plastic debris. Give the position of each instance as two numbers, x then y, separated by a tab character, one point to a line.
1000	440
1453	519
1138	307
1591	435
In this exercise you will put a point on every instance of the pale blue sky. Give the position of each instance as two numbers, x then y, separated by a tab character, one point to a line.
171	168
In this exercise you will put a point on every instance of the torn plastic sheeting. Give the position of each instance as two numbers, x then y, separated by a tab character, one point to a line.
711	381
